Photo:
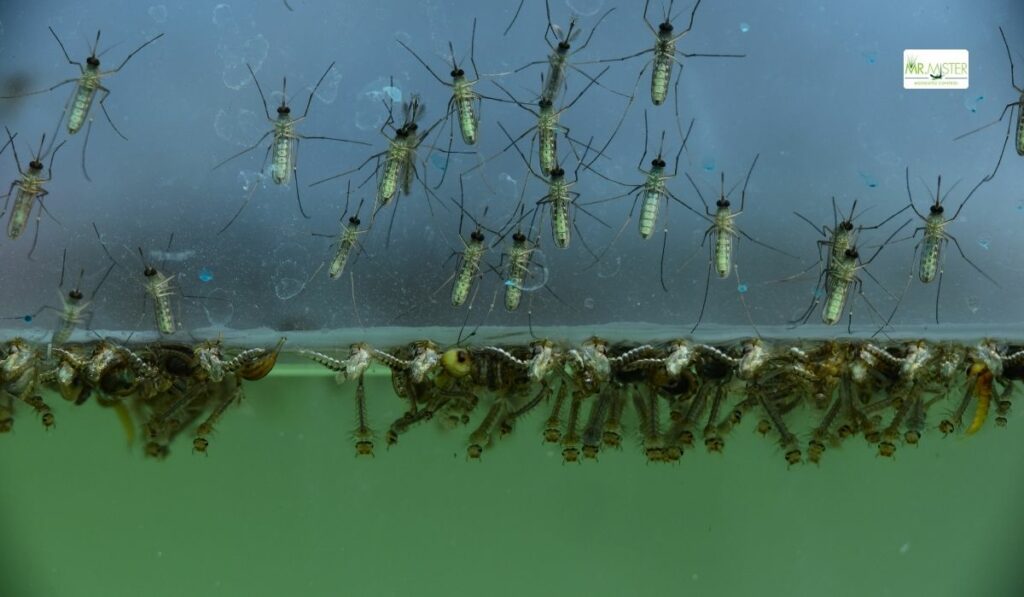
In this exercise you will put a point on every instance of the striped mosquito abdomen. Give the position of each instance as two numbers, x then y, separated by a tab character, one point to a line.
518	266
468	269
81	102
1020	125
158	286
558	194
28	190
840	276
663	61
547	136
653	190
284	150
388	185
348	240
70	317
723	241
464	96
934	233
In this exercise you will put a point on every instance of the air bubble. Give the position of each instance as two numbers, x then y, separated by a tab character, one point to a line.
158	13
239	127
609	268
744	27
972	102
537	274
984	243
588	303
27	319
973	303
585	8
205	275
289	277
509	184
219	310
370	113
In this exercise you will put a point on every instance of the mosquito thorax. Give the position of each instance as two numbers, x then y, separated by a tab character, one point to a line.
936	209
476	236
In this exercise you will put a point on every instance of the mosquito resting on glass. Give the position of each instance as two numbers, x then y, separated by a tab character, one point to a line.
87	84
284	145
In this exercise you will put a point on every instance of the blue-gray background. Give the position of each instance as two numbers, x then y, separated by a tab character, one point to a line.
819	96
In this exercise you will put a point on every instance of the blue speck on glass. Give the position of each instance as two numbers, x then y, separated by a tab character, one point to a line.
742	288
709	164
205	275
28	319
868	179
744	27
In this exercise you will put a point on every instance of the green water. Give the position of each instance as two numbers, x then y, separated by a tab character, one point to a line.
282	507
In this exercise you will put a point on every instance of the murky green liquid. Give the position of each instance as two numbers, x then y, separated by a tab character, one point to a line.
281	506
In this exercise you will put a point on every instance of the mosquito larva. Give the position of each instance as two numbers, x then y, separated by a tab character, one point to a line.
481	436
592	433
201	442
363	433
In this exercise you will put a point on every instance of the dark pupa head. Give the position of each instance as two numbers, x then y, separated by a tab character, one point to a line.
936	209
458	73
283	110
658	162
846	226
75	295
93	62
149	272
519	237
557	172
665	27
35	165
722	203
477	236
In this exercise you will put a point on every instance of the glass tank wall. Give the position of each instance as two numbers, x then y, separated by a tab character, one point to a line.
622	364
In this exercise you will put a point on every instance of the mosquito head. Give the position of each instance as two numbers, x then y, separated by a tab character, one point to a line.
846	226
354	221
545	103
476	236
283	109
723	203
93	62
936	209
411	128
35	166
852	253
518	238
556	172
665	27
75	295
658	162
458	73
